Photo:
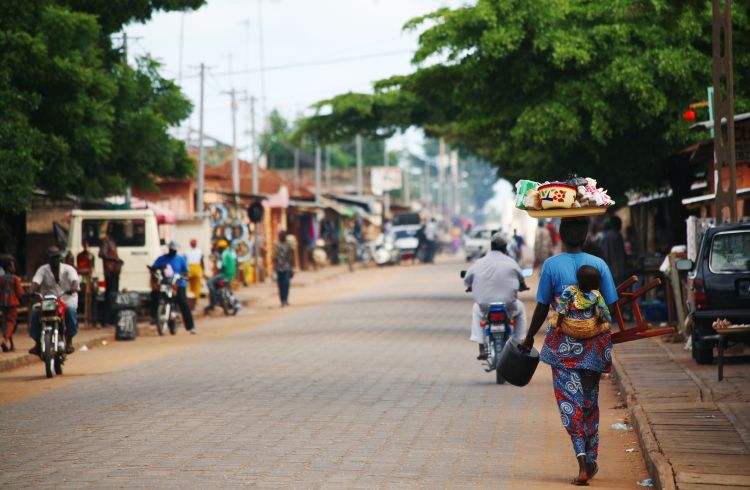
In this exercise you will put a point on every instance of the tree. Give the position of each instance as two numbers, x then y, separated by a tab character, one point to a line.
76	118
546	88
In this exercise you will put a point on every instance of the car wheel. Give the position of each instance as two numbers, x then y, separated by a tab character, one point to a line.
703	352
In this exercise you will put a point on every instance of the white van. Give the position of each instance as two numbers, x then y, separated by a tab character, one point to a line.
136	234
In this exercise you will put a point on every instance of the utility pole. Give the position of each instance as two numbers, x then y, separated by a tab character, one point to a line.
296	167
407	175
723	109
235	162
426	191
317	174
441	176
254	146
359	165
328	167
454	183
201	149
386	192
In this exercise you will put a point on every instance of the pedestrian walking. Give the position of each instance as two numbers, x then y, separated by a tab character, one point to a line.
11	294
112	265
194	257
542	244
282	265
577	364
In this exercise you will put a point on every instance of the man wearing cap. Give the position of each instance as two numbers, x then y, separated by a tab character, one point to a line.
59	279
227	271
179	266
495	278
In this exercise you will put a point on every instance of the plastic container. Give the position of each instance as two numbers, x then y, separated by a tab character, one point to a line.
516	366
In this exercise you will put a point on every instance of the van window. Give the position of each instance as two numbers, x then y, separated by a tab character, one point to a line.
481	233
729	252
125	232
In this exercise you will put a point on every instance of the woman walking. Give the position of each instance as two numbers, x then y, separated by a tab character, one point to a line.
577	364
282	265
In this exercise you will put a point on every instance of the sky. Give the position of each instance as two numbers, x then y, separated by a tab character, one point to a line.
312	50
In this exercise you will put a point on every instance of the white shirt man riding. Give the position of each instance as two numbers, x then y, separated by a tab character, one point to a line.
492	279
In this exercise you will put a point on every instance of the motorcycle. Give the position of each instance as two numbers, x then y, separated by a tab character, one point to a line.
226	298
167	313
498	329
52	338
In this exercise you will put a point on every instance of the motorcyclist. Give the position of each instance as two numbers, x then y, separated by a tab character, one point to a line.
492	279
172	263
62	280
227	271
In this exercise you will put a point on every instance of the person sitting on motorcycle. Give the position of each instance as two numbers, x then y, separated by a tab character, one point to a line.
496	278
61	280
178	265
227	271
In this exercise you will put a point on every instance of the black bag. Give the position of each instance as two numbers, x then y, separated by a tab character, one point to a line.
126	326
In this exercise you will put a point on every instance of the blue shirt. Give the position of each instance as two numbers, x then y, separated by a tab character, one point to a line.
559	272
561	350
178	264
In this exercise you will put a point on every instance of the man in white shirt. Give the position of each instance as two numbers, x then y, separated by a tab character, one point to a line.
59	279
431	236
495	278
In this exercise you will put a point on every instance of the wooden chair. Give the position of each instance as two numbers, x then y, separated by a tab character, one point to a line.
641	329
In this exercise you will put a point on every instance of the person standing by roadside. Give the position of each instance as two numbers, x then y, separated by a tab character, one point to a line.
112	267
577	364
613	248
11	294
194	256
553	234
431	236
282	265
542	244
176	264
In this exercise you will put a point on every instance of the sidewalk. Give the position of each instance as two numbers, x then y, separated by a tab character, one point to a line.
250	296
694	431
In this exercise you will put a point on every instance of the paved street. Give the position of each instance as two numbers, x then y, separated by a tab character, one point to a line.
373	388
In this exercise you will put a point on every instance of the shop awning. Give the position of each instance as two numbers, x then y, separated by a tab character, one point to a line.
699	200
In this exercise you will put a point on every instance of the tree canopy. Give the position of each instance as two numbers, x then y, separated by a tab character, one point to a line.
76	118
551	87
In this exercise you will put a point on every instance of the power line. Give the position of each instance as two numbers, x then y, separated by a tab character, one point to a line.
304	64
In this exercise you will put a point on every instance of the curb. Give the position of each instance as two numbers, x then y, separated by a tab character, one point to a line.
657	463
26	359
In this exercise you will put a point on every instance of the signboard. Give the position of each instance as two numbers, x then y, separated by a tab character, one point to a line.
384	179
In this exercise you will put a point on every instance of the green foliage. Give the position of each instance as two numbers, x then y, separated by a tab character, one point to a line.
76	119
549	87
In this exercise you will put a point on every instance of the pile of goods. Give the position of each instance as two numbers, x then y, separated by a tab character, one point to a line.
577	192
724	324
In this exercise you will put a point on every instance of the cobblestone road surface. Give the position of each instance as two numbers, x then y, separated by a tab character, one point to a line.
377	389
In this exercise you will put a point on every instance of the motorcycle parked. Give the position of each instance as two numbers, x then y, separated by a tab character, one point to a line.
226	298
167	313
52	339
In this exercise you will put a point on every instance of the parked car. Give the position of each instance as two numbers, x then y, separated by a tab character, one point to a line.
477	243
136	234
718	284
405	240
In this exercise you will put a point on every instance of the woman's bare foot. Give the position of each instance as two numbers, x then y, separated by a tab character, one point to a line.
583	477
592	469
